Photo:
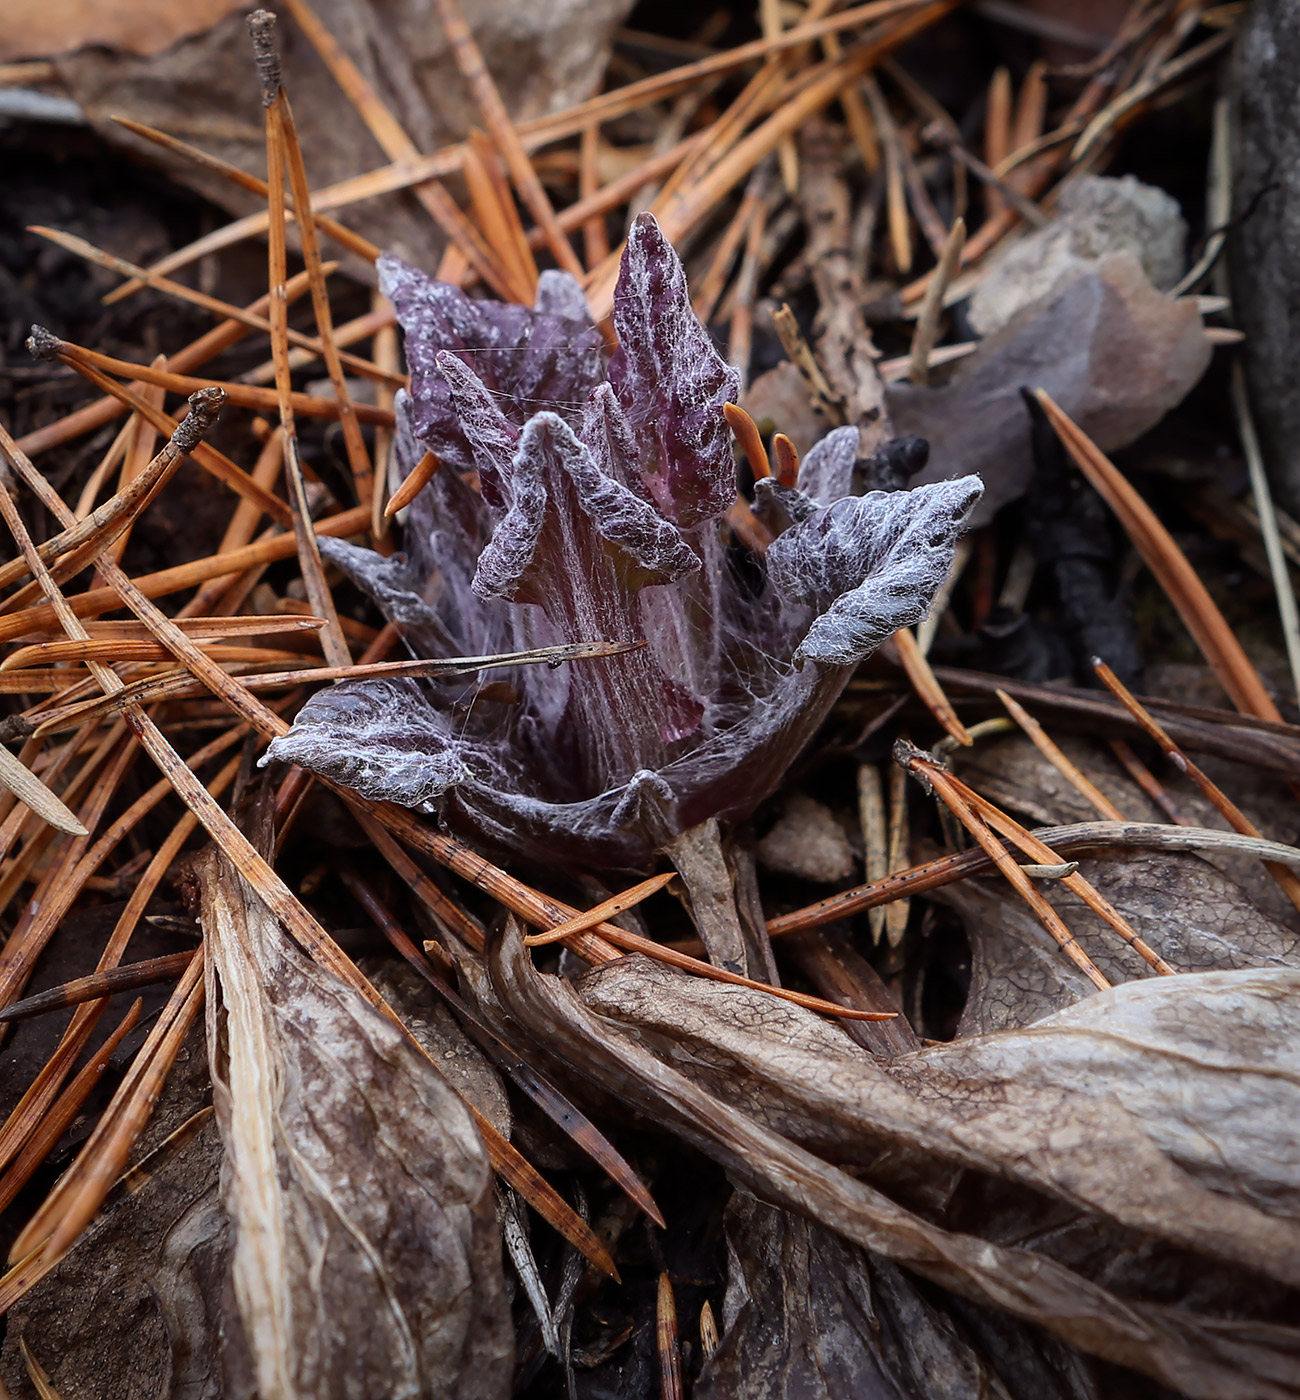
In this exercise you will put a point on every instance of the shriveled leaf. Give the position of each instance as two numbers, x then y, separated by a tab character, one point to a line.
366	1259
162	1250
1115	354
1026	1127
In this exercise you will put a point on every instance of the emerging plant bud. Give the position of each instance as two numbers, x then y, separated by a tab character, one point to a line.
577	503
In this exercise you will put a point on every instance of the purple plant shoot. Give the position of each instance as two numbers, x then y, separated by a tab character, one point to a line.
584	501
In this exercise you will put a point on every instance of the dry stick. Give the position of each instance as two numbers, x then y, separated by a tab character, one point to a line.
396	145
83	249
1069	771
1225	806
927	322
198	352
278	898
1175	575
543	130
282	135
1019	881
45	344
470	62
1040	852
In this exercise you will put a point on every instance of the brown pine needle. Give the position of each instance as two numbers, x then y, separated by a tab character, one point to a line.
1287	879
931	313
395	143
666	1340
1182	586
422	474
749	438
83	249
1148	782
146	973
1066	872
607	909
943	784
927	687
1070	772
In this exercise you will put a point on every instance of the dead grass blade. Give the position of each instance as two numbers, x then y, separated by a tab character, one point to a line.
18	779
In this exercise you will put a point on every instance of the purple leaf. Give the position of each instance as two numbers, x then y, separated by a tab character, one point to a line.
870	565
671	383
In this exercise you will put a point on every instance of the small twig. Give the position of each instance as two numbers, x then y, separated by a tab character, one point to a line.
927	322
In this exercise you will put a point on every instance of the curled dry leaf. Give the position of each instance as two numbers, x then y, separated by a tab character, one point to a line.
599	516
365	1253
1163	1107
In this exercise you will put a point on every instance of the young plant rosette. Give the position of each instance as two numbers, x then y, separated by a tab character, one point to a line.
580	500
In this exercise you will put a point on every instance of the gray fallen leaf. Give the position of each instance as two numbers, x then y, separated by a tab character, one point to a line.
366	1258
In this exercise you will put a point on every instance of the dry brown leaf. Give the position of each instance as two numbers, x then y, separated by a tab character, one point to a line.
810	1316
48	28
1121	354
365	1253
1201	1160
543	58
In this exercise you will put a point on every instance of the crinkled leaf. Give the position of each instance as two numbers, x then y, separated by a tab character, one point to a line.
869	565
826	473
395	587
527	358
549	457
382	738
671	382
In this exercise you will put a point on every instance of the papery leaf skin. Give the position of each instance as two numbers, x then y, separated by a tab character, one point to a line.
870	565
671	382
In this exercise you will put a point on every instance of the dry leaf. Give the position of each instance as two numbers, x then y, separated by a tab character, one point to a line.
810	1316
365	1254
48	28
1165	1106
1121	353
